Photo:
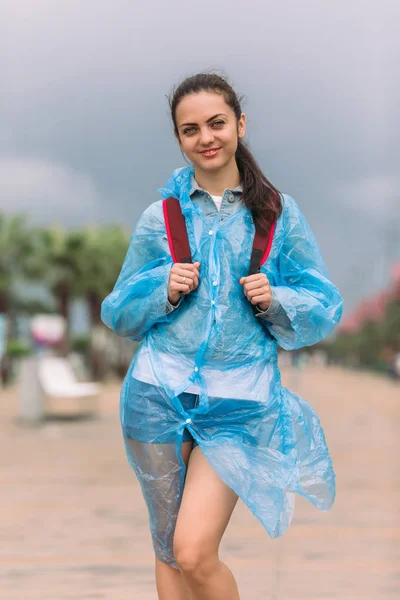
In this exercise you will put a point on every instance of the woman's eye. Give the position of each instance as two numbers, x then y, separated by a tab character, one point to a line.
190	130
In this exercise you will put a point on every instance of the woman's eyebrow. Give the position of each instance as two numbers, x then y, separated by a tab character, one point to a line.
208	120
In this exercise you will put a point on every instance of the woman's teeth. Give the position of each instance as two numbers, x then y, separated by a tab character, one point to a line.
210	152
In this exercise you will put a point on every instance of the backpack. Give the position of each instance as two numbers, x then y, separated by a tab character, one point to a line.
179	243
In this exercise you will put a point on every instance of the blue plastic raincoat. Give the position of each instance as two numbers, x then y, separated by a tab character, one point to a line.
263	440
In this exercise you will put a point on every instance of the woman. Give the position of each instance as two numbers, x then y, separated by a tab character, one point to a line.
204	415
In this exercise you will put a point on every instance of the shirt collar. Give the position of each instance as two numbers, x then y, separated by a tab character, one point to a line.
195	186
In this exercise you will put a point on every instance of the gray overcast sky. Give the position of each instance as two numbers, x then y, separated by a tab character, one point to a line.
85	134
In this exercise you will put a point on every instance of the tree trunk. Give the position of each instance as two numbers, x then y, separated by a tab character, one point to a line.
4	302
63	296
5	360
94	304
96	362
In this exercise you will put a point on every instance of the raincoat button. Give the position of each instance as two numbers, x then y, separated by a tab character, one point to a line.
213	302
210	232
188	420
231	198
196	369
215	282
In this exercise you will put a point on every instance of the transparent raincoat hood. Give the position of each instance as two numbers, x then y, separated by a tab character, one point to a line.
263	440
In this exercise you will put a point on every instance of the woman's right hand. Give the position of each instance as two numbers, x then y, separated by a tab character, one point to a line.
183	279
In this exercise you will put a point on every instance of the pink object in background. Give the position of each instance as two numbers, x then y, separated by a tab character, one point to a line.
374	308
48	329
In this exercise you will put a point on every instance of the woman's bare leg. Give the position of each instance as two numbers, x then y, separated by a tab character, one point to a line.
170	582
205	511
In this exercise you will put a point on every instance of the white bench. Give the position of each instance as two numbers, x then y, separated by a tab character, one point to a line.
48	386
63	393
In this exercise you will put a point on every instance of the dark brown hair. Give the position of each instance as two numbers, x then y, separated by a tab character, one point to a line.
259	195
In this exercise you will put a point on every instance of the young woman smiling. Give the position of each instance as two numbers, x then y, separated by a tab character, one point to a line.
204	416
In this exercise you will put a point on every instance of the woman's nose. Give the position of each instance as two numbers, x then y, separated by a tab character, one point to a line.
206	136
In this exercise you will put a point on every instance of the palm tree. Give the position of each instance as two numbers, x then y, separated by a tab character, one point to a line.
101	261
58	263
105	249
16	249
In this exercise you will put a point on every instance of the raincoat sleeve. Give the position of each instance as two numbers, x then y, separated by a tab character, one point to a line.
274	313
139	299
306	304
170	307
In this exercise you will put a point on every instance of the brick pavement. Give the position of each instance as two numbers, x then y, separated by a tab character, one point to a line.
74	525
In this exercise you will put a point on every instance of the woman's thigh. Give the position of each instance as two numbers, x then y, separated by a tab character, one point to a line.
162	476
205	511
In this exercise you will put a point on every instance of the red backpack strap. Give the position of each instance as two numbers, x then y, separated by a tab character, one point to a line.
176	231
261	248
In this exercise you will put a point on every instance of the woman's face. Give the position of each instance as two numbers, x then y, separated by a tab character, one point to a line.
208	130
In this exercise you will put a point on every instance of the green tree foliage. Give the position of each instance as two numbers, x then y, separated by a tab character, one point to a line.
16	248
80	264
70	264
105	249
391	326
374	345
58	264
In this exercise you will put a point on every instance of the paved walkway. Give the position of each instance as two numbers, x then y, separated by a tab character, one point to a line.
74	525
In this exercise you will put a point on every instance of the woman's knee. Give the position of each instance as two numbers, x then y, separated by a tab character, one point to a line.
196	559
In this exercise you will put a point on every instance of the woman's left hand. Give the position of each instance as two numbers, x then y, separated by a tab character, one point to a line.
257	290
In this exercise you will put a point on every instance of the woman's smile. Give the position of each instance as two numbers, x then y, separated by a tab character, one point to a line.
210	152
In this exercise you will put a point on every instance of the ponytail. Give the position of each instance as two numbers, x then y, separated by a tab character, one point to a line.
259	195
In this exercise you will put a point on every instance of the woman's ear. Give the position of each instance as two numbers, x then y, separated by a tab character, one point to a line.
242	126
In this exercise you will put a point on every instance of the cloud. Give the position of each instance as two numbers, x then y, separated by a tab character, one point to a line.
373	195
49	191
